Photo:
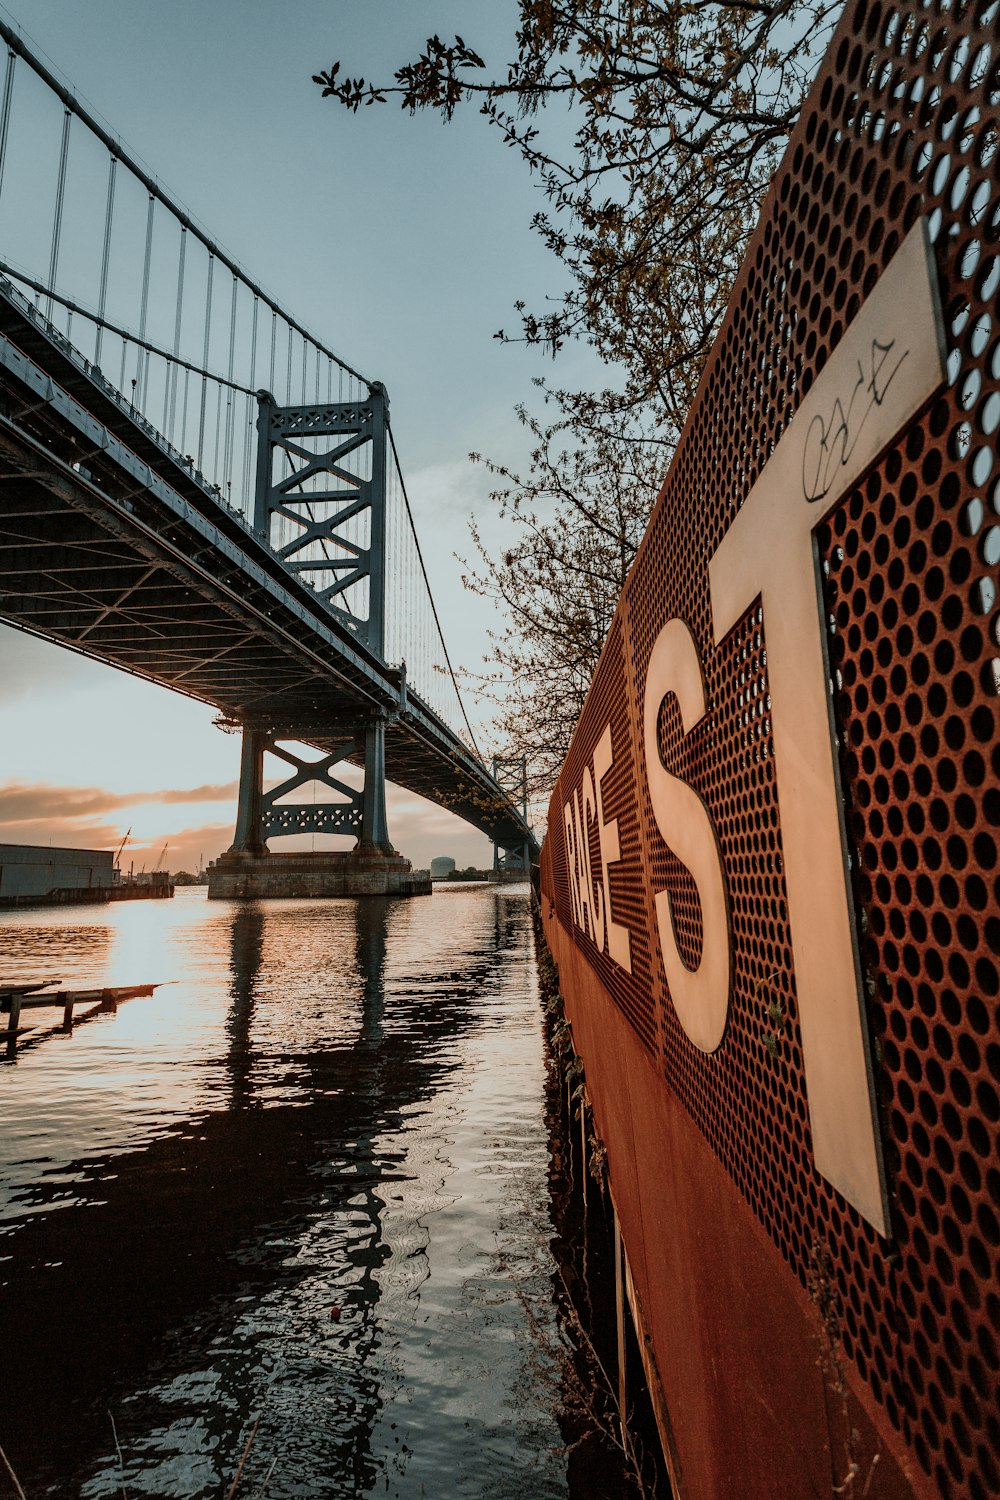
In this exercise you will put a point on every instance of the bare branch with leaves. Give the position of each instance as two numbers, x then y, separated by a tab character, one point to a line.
679	112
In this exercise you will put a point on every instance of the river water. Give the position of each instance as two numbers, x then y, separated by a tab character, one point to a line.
305	1184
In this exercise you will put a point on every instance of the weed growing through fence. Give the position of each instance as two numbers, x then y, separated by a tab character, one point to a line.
822	1290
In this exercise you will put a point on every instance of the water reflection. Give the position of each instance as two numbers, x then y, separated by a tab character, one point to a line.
361	1125
247	950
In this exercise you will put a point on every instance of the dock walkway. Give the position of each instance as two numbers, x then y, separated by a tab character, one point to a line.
18	997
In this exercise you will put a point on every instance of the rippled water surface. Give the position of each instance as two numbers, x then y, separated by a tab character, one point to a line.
305	1182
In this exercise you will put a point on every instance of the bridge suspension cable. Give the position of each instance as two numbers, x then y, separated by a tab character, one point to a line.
137	252
184	354
402	525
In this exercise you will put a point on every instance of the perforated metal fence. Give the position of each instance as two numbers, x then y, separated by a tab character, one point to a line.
901	124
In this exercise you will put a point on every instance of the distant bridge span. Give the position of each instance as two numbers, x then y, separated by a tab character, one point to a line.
111	546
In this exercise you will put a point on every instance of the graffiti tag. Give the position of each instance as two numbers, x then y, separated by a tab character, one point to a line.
831	439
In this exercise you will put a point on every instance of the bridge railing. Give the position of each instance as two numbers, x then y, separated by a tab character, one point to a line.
108	261
122	268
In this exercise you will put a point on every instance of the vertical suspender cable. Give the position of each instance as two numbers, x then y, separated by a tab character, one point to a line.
8	90
400	597
253	343
401	602
245	501
204	361
216	476
302	398
274	345
418	660
388	640
248	423
184	410
395	564
57	218
430	597
143	361
289	466
102	297
170	376
397	605
227	460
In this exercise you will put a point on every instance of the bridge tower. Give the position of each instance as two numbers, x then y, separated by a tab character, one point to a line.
511	775
320	503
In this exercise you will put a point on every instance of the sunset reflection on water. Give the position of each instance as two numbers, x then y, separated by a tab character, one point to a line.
328	1104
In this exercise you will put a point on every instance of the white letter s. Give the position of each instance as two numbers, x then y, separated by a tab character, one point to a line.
700	996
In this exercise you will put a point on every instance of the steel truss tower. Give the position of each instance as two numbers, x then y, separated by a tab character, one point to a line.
511	775
325	517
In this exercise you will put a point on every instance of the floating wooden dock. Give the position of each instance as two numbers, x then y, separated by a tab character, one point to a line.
18	997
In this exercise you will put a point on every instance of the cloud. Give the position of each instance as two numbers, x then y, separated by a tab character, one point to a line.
184	850
451	489
81	817
42	832
25	802
223	792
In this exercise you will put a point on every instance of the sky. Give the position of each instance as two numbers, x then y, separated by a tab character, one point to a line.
402	242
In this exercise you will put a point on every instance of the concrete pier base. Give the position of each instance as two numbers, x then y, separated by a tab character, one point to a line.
243	877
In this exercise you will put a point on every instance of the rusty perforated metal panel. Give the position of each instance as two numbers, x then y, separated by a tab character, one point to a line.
902	124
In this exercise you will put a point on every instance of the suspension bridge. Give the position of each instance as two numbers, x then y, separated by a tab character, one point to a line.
197	490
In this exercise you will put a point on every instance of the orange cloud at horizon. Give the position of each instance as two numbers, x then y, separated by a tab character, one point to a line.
22	802
96	818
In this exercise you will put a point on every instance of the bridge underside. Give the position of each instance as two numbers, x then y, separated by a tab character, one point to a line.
108	547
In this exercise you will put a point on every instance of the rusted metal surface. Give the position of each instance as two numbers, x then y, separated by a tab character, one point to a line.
901	126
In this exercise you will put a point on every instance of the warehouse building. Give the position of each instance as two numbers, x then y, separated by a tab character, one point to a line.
34	875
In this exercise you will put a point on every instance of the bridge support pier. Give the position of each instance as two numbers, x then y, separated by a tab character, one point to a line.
236	876
374	826
249	808
249	869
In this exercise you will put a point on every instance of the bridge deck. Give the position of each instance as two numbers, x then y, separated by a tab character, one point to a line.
110	545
